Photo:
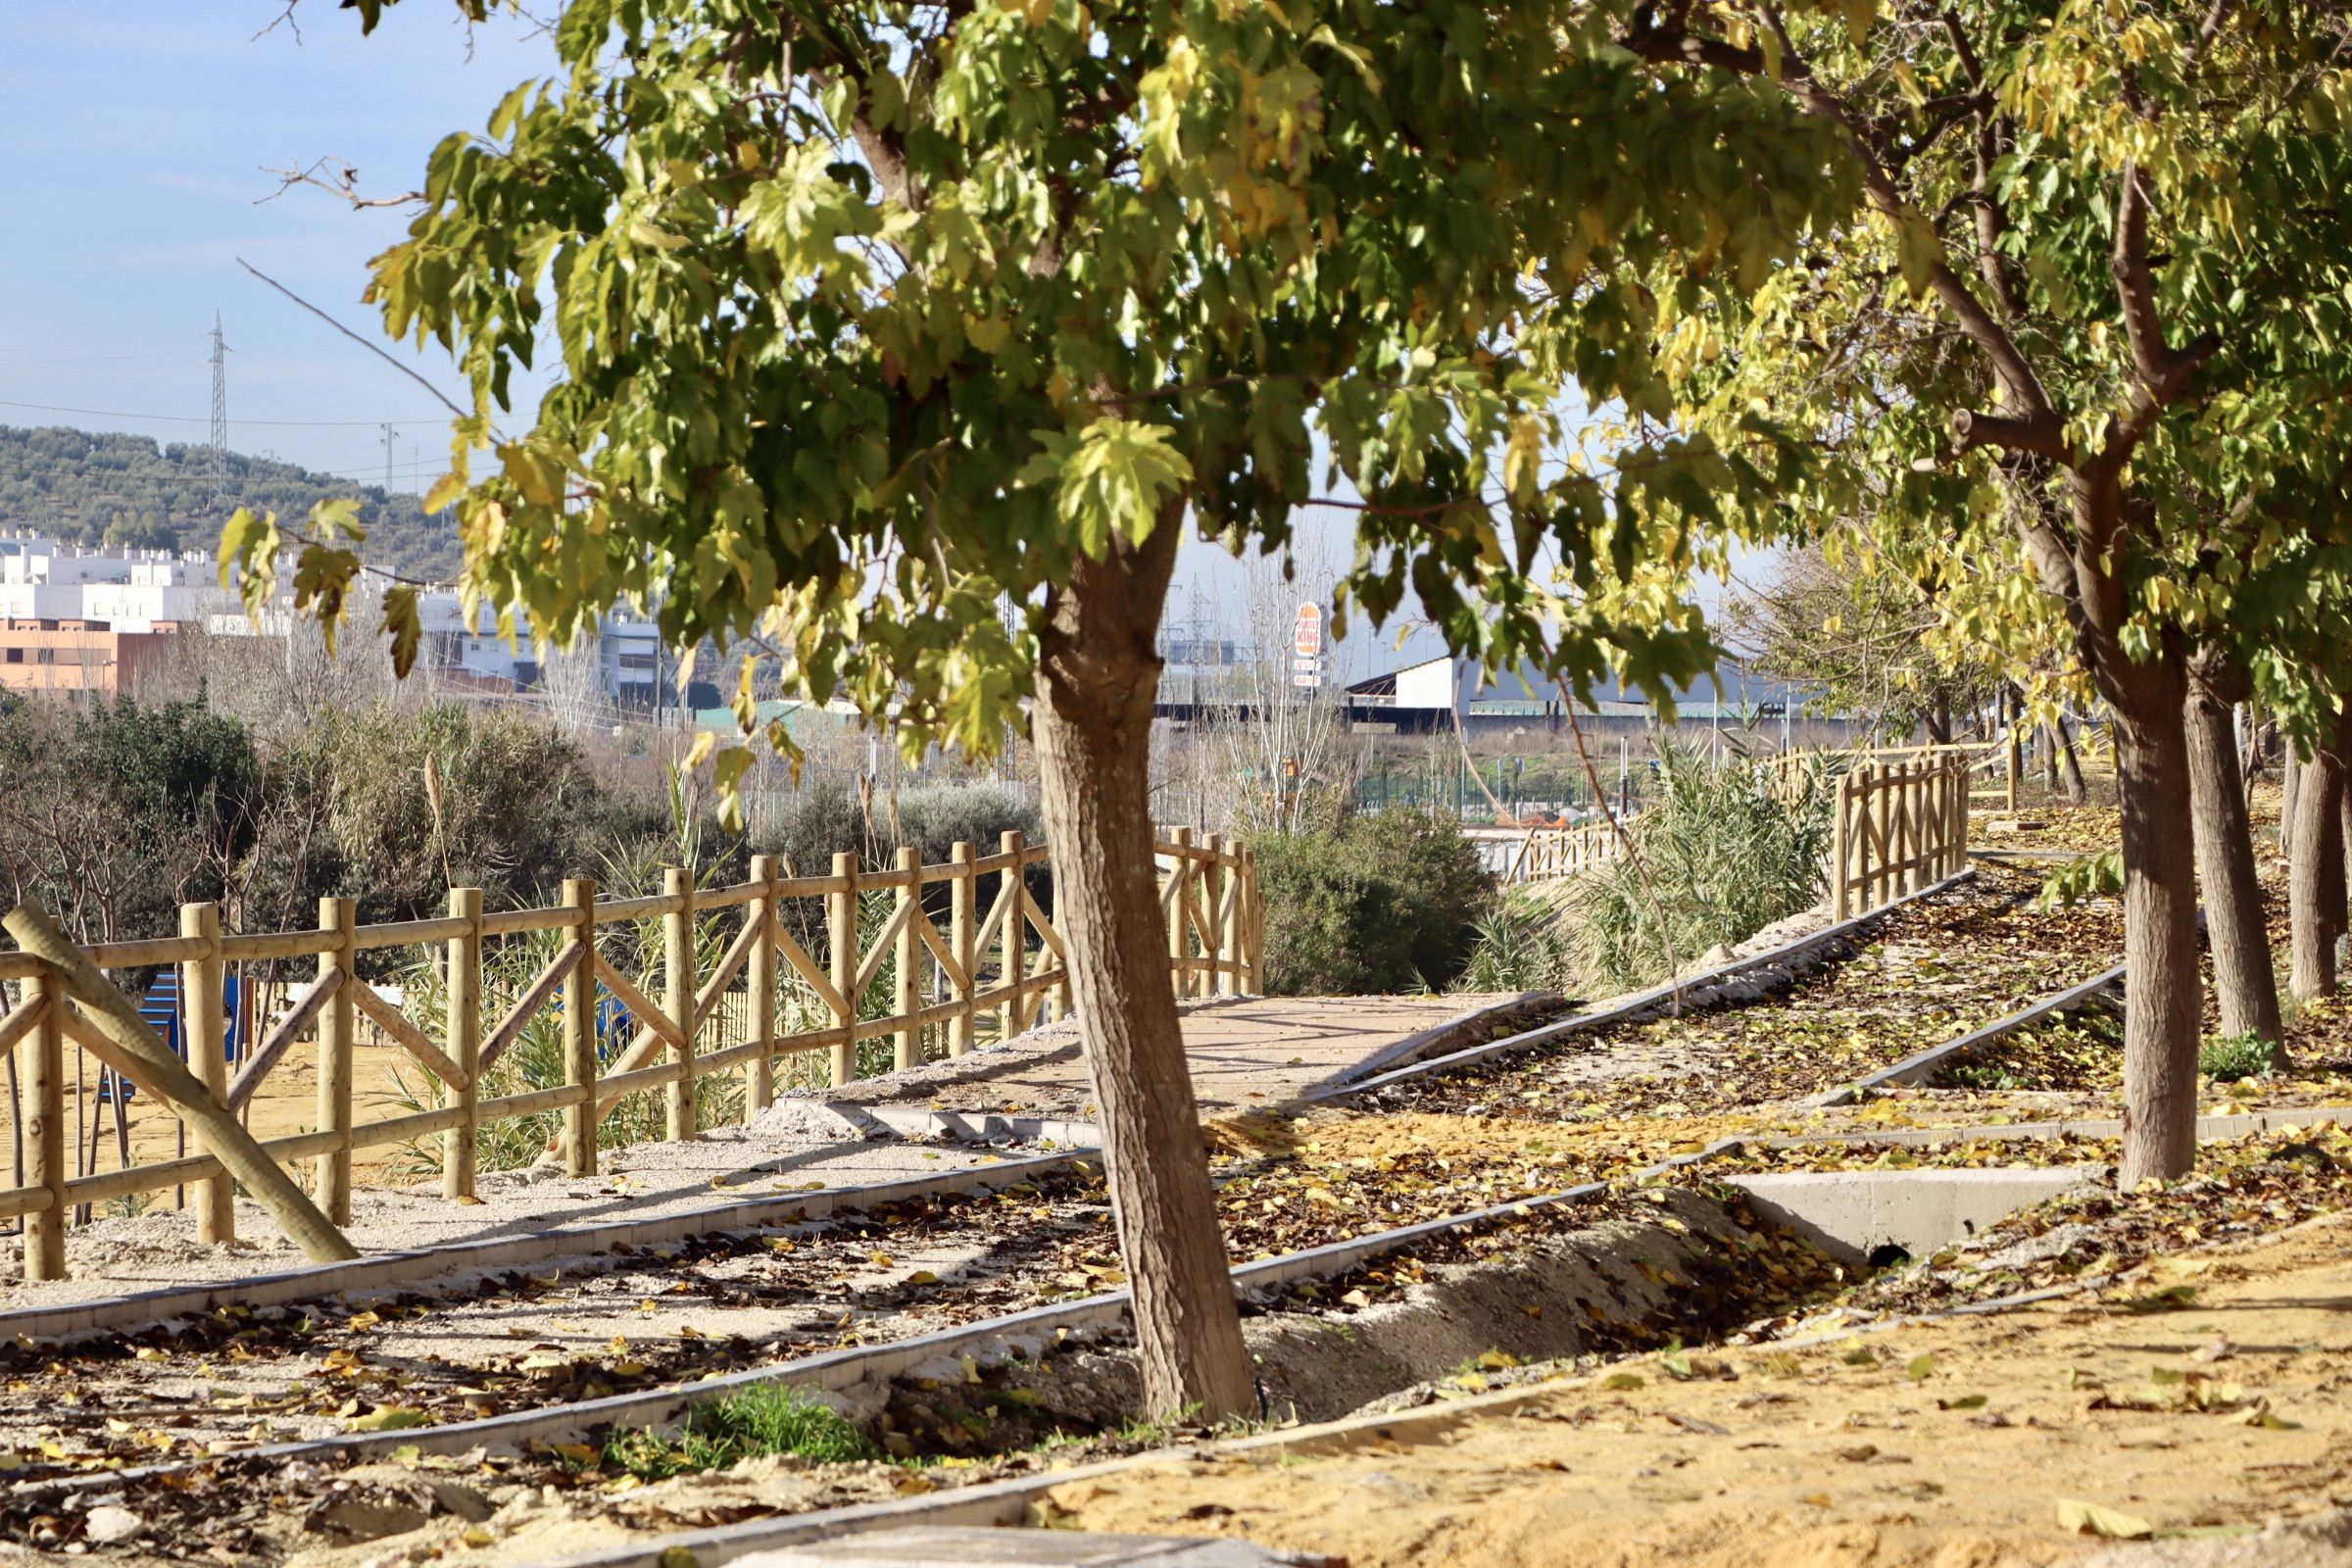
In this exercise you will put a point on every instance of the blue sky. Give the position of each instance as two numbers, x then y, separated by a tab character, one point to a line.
139	134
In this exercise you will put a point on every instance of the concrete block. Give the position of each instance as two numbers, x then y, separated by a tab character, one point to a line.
944	1547
1853	1214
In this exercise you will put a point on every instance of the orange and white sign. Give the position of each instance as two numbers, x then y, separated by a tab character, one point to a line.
1306	634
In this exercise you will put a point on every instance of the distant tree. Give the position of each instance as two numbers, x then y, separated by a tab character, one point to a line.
141	530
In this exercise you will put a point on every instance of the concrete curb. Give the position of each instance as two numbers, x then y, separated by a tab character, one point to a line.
388	1272
1439	1037
1634	1005
1641	1002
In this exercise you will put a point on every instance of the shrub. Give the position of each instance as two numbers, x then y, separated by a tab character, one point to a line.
1717	856
1520	946
1377	902
2229	1058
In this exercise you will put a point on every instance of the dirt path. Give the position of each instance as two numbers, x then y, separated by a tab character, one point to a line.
1955	1445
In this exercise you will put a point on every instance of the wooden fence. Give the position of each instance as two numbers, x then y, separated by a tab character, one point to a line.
1894	828
1550	853
873	963
1900	820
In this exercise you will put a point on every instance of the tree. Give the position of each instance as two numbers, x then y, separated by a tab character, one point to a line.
873	313
2097	329
1867	639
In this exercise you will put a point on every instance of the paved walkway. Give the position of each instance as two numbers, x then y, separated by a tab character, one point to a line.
1247	1052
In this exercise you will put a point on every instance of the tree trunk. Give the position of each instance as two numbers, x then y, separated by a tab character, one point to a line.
2315	874
2246	985
2163	1001
1096	678
2291	775
2048	741
2078	792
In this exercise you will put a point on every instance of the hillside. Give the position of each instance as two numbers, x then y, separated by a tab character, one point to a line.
79	486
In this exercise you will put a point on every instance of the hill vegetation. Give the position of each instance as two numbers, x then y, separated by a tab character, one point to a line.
95	488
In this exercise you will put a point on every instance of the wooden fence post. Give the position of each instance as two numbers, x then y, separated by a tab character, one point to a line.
1213	888
1065	1001
678	983
464	1028
203	1003
760	1081
337	1026
579	1032
2017	760
842	903
907	959
963	929
1015	935
1906	817
1180	947
1229	950
42	1058
1840	849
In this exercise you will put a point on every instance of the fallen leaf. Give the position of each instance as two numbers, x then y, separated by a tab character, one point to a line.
2089	1519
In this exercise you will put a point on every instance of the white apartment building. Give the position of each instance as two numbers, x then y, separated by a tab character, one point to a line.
48	587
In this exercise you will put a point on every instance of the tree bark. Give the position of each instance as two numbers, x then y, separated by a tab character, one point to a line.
1096	676
2245	983
2316	875
2163	991
2078	791
2291	775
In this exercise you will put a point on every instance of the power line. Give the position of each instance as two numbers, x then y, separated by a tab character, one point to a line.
176	356
183	419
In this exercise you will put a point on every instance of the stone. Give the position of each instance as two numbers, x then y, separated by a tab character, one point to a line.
109	1524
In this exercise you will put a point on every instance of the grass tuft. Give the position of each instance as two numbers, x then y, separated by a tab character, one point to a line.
764	1419
2228	1059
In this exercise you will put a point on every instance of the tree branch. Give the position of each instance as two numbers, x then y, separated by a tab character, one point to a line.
1670	44
2041	437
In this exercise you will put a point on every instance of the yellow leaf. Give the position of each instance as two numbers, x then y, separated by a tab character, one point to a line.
391	1418
2089	1519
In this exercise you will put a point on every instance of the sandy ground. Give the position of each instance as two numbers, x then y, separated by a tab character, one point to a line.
1963	1443
286	1103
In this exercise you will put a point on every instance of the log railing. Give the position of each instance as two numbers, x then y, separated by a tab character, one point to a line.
1894	828
776	968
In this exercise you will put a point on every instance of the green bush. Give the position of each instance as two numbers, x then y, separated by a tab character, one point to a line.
1717	856
1376	902
2228	1059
